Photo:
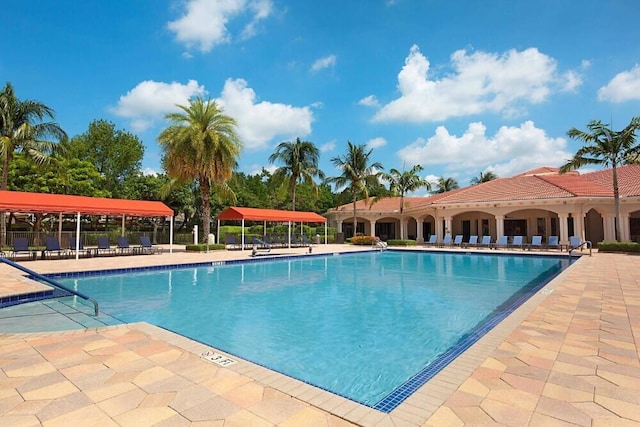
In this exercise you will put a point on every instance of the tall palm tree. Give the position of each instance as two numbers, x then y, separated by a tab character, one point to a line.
404	182
300	164
608	148
445	184
484	177
358	175
201	144
23	129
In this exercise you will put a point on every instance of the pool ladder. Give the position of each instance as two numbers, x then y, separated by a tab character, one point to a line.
52	283
580	246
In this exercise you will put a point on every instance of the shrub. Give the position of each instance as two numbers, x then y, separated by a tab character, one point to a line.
203	248
398	242
611	246
363	240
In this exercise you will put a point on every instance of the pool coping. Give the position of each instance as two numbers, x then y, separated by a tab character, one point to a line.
416	407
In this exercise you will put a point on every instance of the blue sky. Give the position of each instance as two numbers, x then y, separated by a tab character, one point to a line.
458	87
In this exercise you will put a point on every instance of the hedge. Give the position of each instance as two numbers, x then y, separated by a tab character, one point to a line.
398	242
612	246
203	248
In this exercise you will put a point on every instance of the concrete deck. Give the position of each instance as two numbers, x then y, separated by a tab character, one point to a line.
569	356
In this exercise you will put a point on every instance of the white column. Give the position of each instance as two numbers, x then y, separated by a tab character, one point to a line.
439	229
419	238
564	228
499	226
171	234
625	228
78	236
608	224
372	227
578	225
339	225
447	225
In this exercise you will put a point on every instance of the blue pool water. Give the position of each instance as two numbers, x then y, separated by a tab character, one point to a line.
359	325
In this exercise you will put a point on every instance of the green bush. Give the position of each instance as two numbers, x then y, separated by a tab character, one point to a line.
363	240
203	248
398	242
619	247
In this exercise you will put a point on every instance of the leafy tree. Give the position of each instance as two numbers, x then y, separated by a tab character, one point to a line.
23	129
117	154
404	182
445	184
201	144
300	164
605	147
484	177
358	174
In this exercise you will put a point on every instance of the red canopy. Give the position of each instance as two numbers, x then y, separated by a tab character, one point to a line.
255	214
17	201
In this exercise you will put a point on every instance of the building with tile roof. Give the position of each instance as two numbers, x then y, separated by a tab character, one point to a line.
537	202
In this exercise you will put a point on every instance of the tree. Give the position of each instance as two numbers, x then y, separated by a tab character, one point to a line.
445	184
484	177
300	164
401	183
117	154
605	147
357	174
201	144
23	129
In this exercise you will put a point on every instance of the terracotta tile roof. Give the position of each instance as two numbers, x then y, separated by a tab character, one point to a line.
536	184
628	179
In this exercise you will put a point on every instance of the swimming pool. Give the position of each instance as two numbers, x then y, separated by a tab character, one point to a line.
363	325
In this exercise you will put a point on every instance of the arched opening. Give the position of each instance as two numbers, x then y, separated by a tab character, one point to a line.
593	227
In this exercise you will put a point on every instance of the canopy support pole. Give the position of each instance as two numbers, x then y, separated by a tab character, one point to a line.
325	233
78	236
289	239
122	228
218	233
242	235
60	227
171	234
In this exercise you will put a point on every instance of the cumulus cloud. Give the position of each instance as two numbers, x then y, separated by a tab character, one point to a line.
369	101
149	101
480	82
625	86
376	143
511	150
204	22
328	147
261	121
323	63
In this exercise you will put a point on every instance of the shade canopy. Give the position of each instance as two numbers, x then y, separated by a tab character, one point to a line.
255	214
17	201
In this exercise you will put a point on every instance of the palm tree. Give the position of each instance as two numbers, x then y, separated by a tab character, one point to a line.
445	184
357	174
404	182
484	177
201	144
300	161
22	129
608	148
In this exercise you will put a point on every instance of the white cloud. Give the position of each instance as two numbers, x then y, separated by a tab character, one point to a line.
260	122
480	82
376	143
625	86
204	22
149	101
369	101
511	150
572	81
150	171
323	63
328	147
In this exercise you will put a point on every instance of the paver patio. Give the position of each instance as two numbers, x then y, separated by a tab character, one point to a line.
569	356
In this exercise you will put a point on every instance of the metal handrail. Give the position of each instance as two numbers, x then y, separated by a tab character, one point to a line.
586	242
51	282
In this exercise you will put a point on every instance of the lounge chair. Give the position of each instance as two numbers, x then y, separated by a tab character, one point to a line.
305	241
230	242
502	243
21	246
295	242
574	242
433	240
81	249
259	245
457	241
485	242
446	241
53	248
123	246
553	243
104	247
517	242
146	247
536	243
473	242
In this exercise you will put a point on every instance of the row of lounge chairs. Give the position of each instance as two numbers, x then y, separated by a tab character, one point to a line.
53	248
503	242
267	242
